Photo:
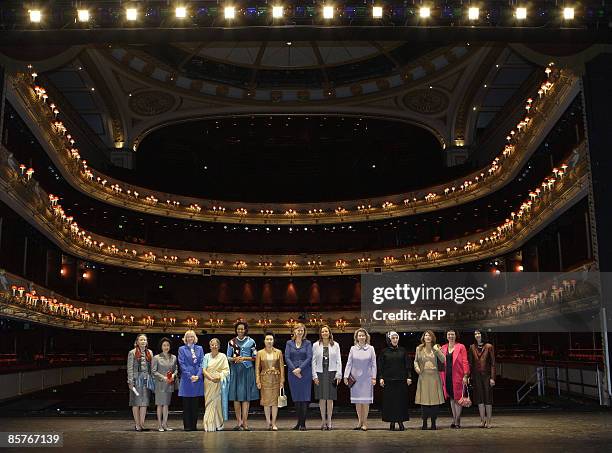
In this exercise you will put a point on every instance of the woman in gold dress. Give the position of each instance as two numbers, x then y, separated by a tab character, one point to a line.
216	371
429	393
270	378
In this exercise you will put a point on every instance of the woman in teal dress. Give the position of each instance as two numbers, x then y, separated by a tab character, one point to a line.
241	353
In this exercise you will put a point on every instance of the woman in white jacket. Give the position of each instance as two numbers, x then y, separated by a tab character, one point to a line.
326	374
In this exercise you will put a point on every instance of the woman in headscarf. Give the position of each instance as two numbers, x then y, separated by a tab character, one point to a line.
394	376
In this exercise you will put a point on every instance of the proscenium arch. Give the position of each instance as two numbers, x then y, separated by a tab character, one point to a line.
239	114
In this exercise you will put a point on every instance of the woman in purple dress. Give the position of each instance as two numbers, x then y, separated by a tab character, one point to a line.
360	376
298	357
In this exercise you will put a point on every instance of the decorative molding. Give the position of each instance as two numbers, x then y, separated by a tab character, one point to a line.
151	102
426	101
464	109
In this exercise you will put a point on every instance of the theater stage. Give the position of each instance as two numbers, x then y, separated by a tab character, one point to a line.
522	432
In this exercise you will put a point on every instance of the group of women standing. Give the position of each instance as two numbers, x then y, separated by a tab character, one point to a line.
244	374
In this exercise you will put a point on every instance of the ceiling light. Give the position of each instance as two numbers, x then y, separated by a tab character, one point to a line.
230	12
328	12
35	15
277	12
473	13
131	14
424	12
521	13
568	13
83	15
377	12
181	12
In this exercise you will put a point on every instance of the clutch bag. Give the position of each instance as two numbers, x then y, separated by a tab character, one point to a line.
351	381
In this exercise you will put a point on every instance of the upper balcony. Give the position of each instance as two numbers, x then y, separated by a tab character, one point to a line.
558	191
541	112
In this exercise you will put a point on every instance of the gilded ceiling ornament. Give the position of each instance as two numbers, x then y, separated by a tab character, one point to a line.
150	103
426	101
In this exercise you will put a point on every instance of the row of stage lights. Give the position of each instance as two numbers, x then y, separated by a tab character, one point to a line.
278	12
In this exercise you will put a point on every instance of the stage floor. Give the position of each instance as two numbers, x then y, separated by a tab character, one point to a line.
524	432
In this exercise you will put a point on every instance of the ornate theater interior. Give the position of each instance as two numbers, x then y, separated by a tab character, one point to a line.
166	173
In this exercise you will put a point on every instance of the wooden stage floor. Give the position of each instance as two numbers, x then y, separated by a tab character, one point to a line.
521	432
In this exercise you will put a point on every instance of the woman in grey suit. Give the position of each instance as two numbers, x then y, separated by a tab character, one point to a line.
139	379
164	370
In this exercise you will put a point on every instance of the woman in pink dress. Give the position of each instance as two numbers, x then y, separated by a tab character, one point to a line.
455	375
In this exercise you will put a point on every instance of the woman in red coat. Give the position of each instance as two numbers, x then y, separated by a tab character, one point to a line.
455	375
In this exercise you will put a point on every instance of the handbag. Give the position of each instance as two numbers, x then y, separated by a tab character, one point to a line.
465	400
282	398
351	381
151	383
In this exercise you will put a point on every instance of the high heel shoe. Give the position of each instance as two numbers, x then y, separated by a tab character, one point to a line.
137	428
323	427
401	426
391	426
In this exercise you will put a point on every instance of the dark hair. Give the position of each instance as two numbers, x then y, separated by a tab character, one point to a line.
453	330
331	336
244	323
269	333
162	341
483	336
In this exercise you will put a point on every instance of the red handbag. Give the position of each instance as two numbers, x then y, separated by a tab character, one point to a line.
465	400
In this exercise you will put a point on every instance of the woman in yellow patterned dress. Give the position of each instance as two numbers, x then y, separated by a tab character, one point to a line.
216	371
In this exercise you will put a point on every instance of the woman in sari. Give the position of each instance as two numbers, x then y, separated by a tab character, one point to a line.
215	368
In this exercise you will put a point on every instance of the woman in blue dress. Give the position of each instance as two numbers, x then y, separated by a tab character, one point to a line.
298	356
191	385
241	353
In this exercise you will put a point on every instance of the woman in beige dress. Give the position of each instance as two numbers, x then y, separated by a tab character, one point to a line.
429	393
216	371
270	378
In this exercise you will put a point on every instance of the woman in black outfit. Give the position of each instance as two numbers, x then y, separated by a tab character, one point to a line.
394	376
